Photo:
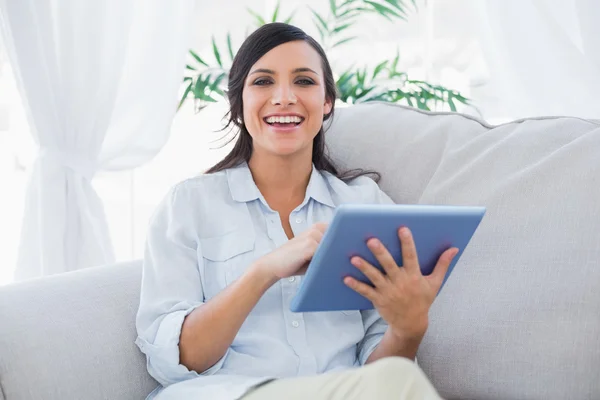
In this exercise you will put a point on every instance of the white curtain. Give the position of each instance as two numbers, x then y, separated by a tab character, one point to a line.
543	55
99	80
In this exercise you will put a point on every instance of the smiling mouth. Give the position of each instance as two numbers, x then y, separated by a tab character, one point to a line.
283	122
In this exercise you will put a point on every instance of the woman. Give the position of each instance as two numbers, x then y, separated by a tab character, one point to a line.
225	251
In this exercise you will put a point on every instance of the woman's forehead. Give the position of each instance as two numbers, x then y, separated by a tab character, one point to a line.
291	57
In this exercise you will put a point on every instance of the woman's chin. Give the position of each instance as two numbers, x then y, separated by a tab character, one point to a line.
288	150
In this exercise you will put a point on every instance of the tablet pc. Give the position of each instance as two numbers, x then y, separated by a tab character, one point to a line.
435	228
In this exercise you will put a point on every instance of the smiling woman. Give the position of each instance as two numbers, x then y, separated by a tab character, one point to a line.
281	72
291	95
226	250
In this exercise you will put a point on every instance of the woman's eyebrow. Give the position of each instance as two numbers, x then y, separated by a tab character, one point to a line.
271	72
262	71
304	69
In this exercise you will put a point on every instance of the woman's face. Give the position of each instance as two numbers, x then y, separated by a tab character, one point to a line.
284	100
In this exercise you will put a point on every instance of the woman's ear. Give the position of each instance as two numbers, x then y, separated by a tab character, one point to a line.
327	106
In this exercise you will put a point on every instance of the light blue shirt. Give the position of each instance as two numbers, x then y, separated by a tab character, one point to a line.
201	238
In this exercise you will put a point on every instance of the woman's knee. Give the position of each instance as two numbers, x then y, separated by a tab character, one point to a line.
397	377
392	366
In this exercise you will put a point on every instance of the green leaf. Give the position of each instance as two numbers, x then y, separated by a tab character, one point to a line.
333	7
289	19
322	33
395	63
342	27
260	20
197	57
383	10
378	68
344	85
345	77
187	91
343	41
397	6
365	92
349	13
229	48
321	20
190	67
274	19
385	96
460	98
215	85
360	76
397	95
200	89
451	104
216	52
188	78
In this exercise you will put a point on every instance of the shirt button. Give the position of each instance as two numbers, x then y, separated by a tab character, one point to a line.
291	279
298	220
295	324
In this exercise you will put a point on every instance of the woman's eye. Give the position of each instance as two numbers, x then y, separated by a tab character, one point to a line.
262	82
304	82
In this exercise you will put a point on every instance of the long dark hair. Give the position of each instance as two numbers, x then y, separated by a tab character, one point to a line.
254	47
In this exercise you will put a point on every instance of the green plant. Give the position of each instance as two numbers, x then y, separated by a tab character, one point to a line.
206	82
344	14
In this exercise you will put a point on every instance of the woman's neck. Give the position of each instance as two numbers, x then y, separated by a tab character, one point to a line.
281	181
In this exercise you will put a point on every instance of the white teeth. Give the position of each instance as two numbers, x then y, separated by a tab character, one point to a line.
288	119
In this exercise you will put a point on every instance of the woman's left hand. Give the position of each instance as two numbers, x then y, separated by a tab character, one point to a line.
402	296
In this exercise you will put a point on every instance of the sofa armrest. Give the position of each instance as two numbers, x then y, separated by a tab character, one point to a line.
71	336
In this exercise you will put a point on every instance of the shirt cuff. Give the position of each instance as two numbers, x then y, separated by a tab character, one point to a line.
163	353
368	346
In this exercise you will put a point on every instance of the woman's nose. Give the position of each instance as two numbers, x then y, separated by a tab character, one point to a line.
283	95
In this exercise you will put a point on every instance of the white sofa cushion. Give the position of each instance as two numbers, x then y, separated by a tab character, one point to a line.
71	336
519	318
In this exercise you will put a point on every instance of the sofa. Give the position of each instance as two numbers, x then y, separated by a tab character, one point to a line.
518	319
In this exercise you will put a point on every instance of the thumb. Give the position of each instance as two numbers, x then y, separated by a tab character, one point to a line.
321	226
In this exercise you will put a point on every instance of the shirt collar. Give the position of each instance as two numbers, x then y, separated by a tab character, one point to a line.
243	189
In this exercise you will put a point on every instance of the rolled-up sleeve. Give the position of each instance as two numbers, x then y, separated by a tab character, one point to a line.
375	327
171	288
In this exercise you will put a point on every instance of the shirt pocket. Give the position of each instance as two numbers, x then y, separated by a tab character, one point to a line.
225	258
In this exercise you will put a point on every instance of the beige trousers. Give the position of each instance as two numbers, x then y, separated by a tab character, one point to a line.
388	378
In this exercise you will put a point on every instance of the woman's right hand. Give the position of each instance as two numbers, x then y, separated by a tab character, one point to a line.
293	257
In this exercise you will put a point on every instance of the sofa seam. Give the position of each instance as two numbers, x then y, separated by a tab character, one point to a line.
480	120
2	391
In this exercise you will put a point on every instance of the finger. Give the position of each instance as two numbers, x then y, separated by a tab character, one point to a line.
302	270
441	268
384	257
361	288
316	235
321	226
372	273
410	260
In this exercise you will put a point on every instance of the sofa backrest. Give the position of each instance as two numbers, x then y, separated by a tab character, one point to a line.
520	316
71	336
